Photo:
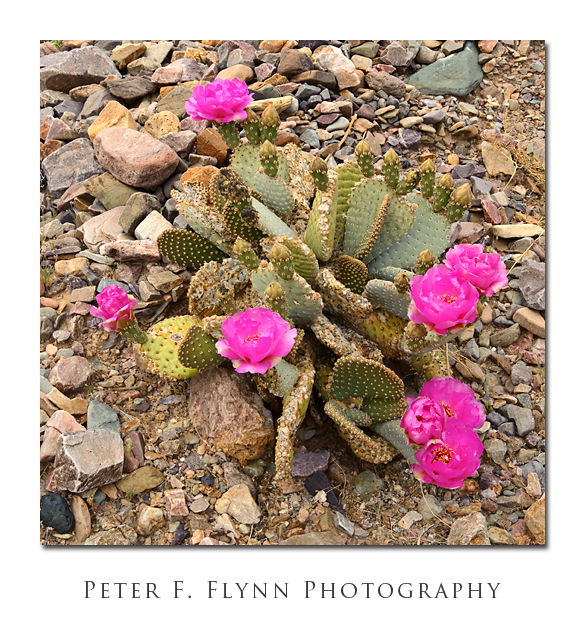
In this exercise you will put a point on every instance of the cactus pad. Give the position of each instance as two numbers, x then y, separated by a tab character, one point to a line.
187	248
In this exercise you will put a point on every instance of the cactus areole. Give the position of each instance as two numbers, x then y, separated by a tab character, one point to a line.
306	276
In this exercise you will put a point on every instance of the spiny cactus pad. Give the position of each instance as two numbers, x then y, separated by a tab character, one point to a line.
187	248
161	348
197	350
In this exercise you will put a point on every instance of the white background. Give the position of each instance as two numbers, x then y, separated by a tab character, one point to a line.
46	585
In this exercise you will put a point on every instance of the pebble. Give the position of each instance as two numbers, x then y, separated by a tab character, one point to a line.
149	519
239	504
140	480
367	483
100	416
56	513
306	463
72	374
469	530
121	535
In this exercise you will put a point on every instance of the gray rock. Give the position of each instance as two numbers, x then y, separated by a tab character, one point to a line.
314	538
72	163
523	419
343	524
310	137
95	103
496	449
457	74
429	506
532	284
63	71
88	459
366	483
46	328
100	416
521	374
505	337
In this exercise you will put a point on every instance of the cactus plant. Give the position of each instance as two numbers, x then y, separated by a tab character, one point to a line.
332	251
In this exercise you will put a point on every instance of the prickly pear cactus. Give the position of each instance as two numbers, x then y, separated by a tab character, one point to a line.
332	251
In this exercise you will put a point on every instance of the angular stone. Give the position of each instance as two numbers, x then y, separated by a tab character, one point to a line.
152	226
497	159
239	504
176	504
113	114
395	54
294	61
82	518
532	284
386	82
521	374
456	74
134	446
125	53
316	77
122	535
499	536
135	158
130	87
59	423
95	103
88	459
85	294
143	250
531	320
506	336
535	518
149	519
164	282
71	375
111	192
210	143
306	463
182	142
74	406
72	163
100	416
162	123
226	411
74	266
469	530
239	71
140	480
523	419
137	207
64	71
314	538
175	101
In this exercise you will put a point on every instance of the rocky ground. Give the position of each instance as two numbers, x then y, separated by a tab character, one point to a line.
485	125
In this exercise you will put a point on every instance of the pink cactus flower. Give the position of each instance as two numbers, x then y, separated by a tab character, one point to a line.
423	421
485	271
448	461
457	400
221	101
115	307
255	340
442	301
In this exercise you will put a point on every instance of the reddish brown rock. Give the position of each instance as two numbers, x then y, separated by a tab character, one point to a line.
226	411
59	423
135	158
176	503
71	375
491	212
210	142
535	518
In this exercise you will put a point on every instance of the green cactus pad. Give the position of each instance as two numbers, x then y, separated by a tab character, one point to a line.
398	221
429	365
383	328
359	377
275	193
429	231
320	232
339	298
281	378
304	304
245	161
269	223
383	294
374	449
348	175
304	260
394	434
161	350
187	248
368	205
197	350
294	408
352	273
383	409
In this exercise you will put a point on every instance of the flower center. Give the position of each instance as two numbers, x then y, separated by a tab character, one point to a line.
254	338
448	298
442	454
448	411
